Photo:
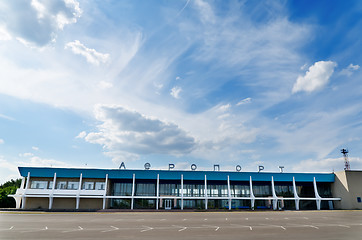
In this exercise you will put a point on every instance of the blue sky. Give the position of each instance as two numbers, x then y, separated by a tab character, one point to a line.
97	83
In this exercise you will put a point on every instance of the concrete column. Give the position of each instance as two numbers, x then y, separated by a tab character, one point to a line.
252	197
22	183
52	192
105	192
157	190
182	192
275	198
25	191
229	193
318	198
205	193
78	193
133	190
295	195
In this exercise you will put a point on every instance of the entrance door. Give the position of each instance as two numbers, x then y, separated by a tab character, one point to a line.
168	203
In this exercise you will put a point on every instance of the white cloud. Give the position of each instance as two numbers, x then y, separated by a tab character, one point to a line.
316	77
28	154
348	71
35	161
82	134
105	85
244	101
8	170
206	12
37	22
129	131
175	92
327	164
91	55
2	141
35	148
4	34
224	108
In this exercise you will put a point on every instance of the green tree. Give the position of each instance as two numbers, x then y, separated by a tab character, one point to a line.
8	188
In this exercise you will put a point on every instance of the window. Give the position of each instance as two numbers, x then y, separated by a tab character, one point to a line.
88	185
39	184
50	185
100	185
122	189
145	189
61	185
73	185
359	199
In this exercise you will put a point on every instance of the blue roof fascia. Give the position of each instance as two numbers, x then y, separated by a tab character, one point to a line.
174	174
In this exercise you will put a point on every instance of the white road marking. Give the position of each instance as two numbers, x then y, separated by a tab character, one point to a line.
11	227
305	218
46	228
163	219
78	229
286	218
226	219
312	226
184	228
205	219
147	229
216	227
113	229
344	226
237	225
246	218
184	219
269	225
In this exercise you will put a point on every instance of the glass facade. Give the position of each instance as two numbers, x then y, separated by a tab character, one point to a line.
262	190
122	189
284	190
241	189
170	189
145	189
217	191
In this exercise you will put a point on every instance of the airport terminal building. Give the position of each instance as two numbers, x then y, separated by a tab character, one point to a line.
76	188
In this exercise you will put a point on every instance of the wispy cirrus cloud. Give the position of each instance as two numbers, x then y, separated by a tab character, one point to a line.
244	101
